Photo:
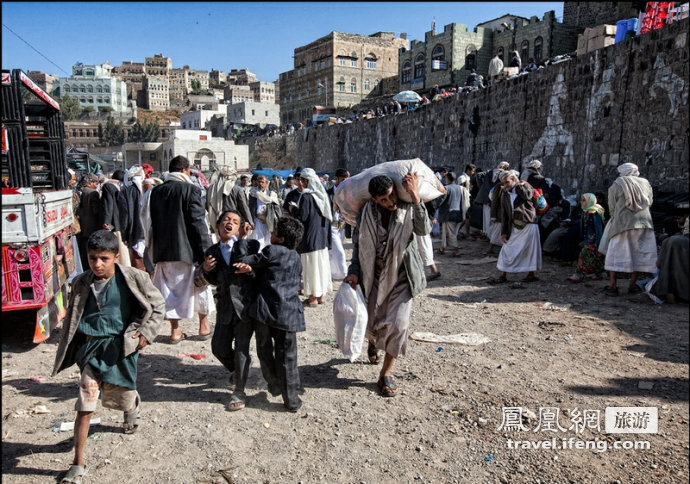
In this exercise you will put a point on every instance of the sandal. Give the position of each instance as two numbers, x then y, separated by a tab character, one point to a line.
178	340
131	420
387	386
373	354
530	278
498	280
576	278
237	401
308	304
74	474
611	291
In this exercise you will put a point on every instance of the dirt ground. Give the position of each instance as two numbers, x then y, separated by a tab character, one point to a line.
444	426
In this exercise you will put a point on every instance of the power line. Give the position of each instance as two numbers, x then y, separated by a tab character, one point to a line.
34	48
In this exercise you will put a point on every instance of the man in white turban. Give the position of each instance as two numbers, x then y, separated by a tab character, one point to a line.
628	240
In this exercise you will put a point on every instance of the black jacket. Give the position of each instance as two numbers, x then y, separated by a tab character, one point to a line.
110	214
317	228
278	276
178	229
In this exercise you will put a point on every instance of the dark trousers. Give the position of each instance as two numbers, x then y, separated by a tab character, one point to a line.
277	352
243	331
83	255
221	345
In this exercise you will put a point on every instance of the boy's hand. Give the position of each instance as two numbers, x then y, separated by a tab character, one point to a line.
245	228
143	342
242	268
410	184
209	263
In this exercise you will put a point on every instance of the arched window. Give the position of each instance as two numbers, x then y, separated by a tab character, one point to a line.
367	85
99	89
89	88
82	88
470	57
371	60
438	56
538	49
419	67
67	88
353	59
499	53
107	100
353	84
91	99
524	51
341	84
407	71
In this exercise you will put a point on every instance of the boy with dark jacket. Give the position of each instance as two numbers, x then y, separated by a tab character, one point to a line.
113	312
277	310
233	293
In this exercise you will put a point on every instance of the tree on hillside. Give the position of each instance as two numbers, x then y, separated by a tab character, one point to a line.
70	107
196	87
113	133
142	133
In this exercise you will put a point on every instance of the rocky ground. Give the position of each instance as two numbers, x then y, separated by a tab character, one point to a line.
588	352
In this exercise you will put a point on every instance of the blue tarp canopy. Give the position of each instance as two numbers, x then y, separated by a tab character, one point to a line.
269	172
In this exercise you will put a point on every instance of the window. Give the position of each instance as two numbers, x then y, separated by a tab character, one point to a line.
107	100
407	71
353	62
524	51
66	87
341	84
538	49
266	113
470	57
328	62
342	61
438	58
106	88
371	64
82	88
82	100
419	67
367	86
100	100
323	63
99	89
89	88
253	112
353	85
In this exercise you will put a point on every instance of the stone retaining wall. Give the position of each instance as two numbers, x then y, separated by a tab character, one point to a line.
581	118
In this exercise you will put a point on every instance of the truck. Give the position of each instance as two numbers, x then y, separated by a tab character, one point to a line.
38	254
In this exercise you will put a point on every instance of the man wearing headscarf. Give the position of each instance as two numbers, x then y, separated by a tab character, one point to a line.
314	211
387	265
264	206
629	242
513	209
484	197
129	207
224	194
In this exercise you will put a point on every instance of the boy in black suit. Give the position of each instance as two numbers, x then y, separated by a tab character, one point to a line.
233	293
277	310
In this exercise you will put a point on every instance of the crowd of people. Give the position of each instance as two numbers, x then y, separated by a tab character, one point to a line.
248	247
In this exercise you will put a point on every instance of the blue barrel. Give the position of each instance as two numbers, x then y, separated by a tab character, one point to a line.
632	27
621	30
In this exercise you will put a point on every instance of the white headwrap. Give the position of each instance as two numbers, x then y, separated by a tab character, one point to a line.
317	191
628	169
506	173
135	175
504	165
535	164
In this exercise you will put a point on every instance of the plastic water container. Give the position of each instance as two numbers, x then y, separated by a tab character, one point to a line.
621	30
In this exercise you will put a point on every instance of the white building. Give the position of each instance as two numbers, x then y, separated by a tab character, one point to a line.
94	86
254	113
157	89
197	119
197	145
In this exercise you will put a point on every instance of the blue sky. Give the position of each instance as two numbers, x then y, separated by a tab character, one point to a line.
260	36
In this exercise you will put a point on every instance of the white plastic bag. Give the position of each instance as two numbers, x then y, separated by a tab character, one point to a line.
353	193
350	319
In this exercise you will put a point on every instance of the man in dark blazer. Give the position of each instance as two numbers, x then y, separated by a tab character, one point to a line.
179	239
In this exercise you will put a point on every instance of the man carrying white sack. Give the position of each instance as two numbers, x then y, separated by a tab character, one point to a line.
387	265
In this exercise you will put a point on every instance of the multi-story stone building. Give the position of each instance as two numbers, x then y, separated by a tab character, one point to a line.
157	92
158	65
241	77
339	69
263	92
591	14
254	113
238	93
217	79
94	86
181	83
448	57
132	73
44	81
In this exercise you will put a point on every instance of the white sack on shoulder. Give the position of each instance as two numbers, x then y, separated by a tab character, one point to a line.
353	192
